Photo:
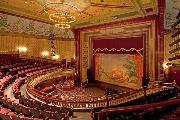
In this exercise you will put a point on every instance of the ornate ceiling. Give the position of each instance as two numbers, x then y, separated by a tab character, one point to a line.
100	11
171	11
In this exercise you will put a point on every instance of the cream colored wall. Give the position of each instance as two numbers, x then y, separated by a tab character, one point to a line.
35	46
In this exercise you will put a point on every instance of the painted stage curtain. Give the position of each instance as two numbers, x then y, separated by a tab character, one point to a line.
119	62
119	69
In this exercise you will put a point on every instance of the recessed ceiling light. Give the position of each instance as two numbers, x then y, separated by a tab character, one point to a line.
25	2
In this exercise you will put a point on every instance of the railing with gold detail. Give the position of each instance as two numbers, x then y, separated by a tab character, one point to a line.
85	104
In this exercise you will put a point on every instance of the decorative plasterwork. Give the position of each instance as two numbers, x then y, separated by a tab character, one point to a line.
118	50
30	9
98	12
146	28
138	6
15	24
172	7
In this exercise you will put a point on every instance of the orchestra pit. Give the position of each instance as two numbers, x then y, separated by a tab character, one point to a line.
89	60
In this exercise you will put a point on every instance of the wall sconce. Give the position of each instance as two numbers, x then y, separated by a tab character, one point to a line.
22	49
55	57
45	53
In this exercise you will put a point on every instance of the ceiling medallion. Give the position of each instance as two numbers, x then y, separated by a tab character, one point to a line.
64	12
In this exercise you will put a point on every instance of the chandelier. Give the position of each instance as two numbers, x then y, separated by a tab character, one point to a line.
64	12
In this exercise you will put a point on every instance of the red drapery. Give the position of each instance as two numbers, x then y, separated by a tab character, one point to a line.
112	46
118	45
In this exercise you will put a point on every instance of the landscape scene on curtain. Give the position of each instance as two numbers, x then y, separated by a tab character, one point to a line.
119	69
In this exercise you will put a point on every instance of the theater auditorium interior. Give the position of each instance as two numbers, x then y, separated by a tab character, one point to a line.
89	59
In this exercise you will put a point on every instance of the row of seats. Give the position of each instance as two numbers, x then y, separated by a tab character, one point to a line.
173	115
7	114
160	96
16	65
16	86
4	82
31	112
22	65
38	105
19	110
152	111
22	77
152	98
35	104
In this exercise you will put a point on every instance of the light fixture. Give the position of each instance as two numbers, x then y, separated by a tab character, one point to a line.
55	57
64	12
165	66
22	49
45	53
62	25
62	18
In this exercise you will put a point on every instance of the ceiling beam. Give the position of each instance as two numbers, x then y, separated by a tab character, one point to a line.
138	6
135	30
155	6
121	35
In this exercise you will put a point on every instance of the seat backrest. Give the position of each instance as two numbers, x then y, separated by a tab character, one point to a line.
26	111
35	113
59	116
5	117
16	118
47	115
17	108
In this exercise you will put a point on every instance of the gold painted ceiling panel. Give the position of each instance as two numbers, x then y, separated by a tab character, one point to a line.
98	12
146	1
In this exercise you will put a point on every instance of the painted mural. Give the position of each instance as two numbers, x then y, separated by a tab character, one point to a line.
119	69
172	7
11	23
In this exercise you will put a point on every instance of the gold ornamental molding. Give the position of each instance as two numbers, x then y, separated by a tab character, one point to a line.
118	50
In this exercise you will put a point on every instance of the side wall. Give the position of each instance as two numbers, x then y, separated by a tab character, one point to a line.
10	42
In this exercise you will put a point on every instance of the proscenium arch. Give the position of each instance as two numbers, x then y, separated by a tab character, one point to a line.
145	28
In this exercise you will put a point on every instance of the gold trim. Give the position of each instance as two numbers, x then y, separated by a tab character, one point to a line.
118	50
92	32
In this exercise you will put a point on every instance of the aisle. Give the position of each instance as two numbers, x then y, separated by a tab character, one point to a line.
23	91
9	92
81	116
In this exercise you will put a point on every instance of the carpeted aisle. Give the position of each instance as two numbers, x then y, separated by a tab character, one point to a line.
9	92
81	116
